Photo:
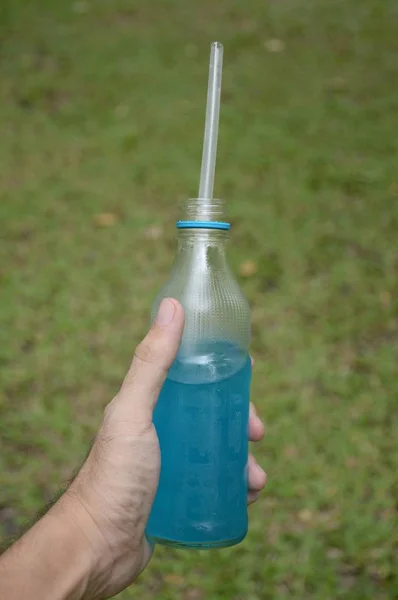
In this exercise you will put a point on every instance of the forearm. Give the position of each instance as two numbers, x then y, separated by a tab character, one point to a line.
52	561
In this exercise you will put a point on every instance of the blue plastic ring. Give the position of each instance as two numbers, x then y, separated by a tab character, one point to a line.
203	225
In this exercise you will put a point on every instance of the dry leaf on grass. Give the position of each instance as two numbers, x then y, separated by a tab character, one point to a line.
306	515
275	45
154	232
174	579
290	452
335	553
122	110
193	594
248	268
105	219
385	299
337	84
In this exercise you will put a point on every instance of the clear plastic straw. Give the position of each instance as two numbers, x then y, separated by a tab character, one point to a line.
211	127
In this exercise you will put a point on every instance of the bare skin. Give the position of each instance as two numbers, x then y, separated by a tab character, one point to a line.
91	544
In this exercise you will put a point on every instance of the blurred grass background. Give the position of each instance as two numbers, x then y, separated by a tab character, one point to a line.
102	111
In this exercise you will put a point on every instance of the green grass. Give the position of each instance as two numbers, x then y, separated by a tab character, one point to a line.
102	110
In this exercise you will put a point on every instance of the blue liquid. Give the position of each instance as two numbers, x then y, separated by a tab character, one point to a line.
201	419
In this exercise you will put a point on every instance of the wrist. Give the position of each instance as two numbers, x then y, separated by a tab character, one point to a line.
87	543
52	561
71	561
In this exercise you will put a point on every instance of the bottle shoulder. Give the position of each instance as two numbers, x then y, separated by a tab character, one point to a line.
204	291
214	304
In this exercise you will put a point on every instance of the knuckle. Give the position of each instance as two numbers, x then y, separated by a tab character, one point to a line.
146	353
152	354
108	411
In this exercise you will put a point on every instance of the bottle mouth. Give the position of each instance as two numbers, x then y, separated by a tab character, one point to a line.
203	213
203	225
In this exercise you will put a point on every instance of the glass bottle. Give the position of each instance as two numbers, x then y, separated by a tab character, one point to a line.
201	416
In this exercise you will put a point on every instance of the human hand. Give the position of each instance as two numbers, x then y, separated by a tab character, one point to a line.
111	497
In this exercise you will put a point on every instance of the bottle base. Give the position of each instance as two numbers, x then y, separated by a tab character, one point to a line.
196	545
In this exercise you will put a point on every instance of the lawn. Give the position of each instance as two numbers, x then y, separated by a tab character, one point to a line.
102	111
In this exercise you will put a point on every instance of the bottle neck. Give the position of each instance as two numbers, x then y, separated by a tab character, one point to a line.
200	209
202	235
188	238
201	249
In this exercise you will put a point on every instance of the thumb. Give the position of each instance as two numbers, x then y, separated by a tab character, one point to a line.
152	360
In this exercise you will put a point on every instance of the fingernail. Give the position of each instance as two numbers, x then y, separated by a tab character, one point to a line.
165	313
260	422
260	471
